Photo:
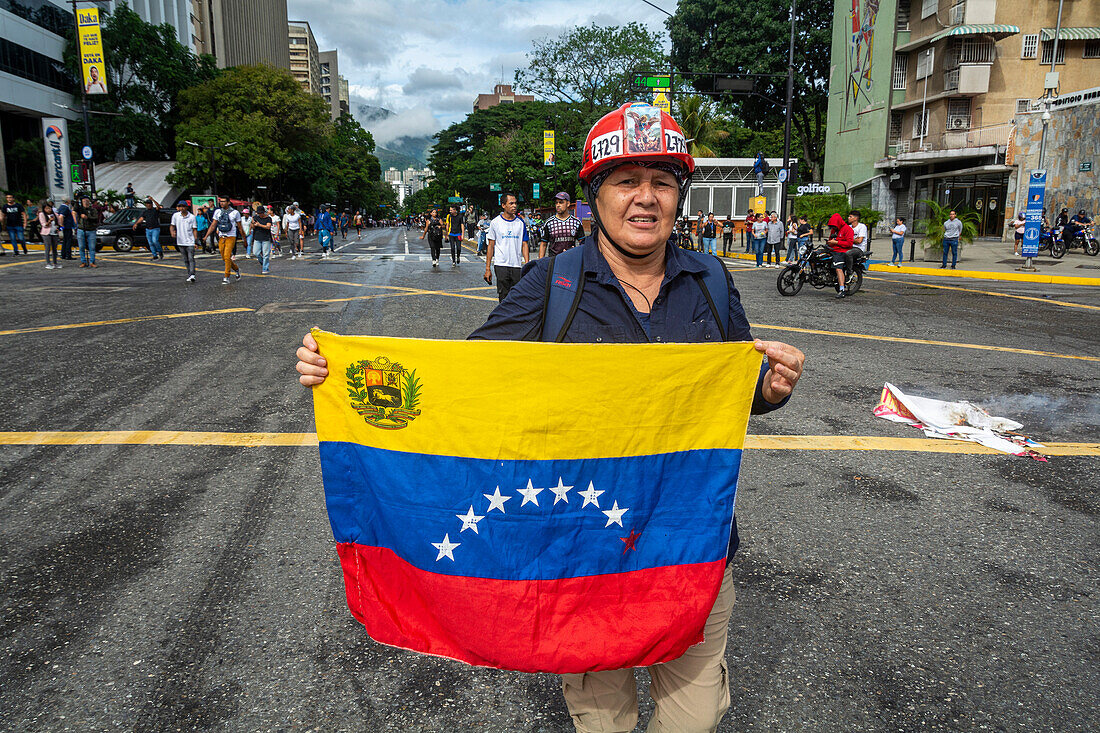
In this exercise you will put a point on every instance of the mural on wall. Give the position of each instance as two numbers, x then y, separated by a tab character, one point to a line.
861	46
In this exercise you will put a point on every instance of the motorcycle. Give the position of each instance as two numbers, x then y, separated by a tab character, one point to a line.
1084	237
815	266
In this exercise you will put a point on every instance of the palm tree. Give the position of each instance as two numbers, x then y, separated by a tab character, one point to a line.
933	224
698	118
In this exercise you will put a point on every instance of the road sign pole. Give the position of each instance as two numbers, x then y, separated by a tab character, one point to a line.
787	115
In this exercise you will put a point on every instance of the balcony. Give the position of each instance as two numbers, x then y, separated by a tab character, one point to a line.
952	144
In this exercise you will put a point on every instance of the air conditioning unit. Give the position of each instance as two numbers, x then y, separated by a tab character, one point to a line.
957	123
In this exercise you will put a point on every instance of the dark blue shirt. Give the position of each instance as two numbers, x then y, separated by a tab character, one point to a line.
679	314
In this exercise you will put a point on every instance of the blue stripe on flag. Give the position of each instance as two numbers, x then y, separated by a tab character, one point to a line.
410	503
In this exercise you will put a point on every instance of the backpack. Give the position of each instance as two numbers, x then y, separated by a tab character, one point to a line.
435	228
765	166
565	283
226	228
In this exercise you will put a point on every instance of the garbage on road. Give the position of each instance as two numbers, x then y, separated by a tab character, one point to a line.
956	421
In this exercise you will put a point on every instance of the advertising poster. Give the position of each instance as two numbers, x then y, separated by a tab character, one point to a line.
55	138
91	51
548	147
1033	214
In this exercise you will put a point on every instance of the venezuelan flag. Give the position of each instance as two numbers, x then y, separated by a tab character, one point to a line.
533	506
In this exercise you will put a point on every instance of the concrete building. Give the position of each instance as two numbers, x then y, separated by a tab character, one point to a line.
240	32
176	13
925	95
502	94
408	181
725	185
305	60
334	88
33	80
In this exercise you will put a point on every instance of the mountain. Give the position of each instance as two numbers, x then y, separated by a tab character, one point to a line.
400	152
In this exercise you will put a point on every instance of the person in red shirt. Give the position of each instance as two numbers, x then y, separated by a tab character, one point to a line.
748	228
840	243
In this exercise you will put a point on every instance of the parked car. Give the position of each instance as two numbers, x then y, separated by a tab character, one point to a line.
118	230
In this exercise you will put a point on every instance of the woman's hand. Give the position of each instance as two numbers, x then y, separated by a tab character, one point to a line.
785	367
311	365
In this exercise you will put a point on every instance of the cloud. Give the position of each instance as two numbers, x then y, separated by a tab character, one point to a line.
414	122
429	80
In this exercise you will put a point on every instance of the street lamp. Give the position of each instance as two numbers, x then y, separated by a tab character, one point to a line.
211	148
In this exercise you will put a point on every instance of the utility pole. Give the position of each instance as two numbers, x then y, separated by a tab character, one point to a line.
84	95
785	185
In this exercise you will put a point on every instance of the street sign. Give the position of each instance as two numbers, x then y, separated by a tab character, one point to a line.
86	151
1085	167
782	175
1033	215
535	191
652	82
494	186
660	101
454	199
805	189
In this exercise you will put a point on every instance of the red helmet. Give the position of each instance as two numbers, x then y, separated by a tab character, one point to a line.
636	131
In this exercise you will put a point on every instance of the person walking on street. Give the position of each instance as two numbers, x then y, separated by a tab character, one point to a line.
326	230
14	217
433	230
561	231
509	247
276	231
293	223
775	233
727	236
184	229
202	223
453	226
759	238
88	219
344	221
49	223
150	219
709	231
68	228
482	228
227	224
246	227
792	239
952	230
897	239
261	234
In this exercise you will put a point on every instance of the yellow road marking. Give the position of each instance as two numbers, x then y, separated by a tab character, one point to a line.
988	292
298	440
115	322
983	275
928	342
270	276
25	261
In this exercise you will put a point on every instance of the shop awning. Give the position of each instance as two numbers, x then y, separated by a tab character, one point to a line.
1070	34
989	29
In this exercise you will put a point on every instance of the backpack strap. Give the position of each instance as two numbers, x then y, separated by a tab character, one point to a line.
564	285
716	290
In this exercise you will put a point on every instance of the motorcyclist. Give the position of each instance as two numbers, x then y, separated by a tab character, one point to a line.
1060	223
840	243
1079	221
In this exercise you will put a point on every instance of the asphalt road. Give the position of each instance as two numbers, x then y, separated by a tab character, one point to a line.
157	587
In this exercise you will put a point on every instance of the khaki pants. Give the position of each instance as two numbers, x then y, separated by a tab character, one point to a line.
692	693
225	246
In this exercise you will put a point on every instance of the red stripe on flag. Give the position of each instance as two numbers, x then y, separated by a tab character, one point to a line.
570	625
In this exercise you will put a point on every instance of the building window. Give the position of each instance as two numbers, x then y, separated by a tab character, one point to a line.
901	67
920	123
895	127
926	59
928	7
1030	48
1092	49
958	114
34	66
1023	106
958	13
903	15
1048	51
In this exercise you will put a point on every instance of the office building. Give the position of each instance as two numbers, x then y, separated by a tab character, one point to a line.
305	60
334	88
502	94
240	32
408	181
926	95
33	80
176	13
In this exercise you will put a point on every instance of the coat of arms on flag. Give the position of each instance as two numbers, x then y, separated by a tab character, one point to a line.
514	516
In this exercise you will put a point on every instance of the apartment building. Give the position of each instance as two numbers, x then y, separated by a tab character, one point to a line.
502	94
305	60
239	32
924	96
334	88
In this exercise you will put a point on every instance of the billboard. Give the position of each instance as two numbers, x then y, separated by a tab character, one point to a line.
548	147
1033	214
91	51
55	138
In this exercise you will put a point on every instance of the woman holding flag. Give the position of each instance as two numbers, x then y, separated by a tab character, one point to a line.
628	283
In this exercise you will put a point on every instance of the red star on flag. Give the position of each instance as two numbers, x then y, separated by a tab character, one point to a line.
631	540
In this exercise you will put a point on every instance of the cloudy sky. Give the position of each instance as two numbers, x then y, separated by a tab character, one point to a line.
427	60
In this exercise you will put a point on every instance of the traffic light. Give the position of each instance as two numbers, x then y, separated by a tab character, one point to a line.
652	82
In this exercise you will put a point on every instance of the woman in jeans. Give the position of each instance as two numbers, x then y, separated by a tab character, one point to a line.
897	237
49	223
792	238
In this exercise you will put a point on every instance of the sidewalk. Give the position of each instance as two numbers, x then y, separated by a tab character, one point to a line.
984	260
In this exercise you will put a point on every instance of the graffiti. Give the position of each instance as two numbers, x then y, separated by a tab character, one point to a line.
861	48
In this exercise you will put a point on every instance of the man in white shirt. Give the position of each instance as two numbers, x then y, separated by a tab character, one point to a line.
227	224
186	233
293	223
859	230
508	247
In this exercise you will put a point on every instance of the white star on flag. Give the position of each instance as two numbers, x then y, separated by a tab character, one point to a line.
615	515
561	492
591	496
469	521
445	548
530	494
496	501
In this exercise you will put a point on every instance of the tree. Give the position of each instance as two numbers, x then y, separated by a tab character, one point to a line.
932	224
342	171
432	196
591	65
751	37
697	117
272	120
146	67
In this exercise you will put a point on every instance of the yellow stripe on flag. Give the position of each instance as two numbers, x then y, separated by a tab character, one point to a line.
531	400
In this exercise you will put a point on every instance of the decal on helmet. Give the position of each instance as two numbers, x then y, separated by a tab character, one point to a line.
610	143
643	129
674	142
